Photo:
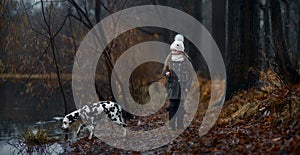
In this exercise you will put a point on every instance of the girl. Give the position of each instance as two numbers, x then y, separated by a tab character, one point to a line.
177	71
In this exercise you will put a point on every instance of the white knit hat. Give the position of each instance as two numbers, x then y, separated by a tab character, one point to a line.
178	43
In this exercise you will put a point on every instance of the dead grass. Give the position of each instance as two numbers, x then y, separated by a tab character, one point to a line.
34	137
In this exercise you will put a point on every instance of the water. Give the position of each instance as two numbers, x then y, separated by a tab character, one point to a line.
39	107
10	143
12	124
7	149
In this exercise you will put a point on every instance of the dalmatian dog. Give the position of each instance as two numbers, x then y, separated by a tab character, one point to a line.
92	114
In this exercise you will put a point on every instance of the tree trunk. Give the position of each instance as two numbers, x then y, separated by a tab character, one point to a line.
108	60
249	43
233	47
218	23
242	44
198	10
260	33
287	22
289	74
269	47
297	55
254	41
98	10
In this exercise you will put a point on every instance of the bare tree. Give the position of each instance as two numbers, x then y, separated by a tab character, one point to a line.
239	56
298	40
256	40
287	72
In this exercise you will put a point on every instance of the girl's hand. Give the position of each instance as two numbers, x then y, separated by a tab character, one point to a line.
168	74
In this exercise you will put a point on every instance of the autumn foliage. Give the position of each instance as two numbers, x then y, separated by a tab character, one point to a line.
261	119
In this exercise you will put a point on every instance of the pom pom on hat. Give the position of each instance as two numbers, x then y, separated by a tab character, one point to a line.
179	37
178	43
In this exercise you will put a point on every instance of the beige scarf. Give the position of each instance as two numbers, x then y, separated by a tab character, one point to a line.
177	58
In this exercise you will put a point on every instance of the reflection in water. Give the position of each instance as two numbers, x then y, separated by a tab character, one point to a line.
10	144
10	129
6	148
16	147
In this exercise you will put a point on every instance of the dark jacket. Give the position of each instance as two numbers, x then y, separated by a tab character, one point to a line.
180	78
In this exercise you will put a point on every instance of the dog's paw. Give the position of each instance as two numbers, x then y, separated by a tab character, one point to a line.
91	136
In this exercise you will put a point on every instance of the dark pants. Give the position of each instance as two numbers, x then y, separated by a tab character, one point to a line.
175	106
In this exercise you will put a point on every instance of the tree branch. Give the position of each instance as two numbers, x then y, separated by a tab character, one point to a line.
30	23
79	10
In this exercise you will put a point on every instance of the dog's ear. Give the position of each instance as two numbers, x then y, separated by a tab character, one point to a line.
69	117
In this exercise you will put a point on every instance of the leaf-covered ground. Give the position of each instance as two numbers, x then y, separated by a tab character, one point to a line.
260	120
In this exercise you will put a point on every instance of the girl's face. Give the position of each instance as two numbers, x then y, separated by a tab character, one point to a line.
175	52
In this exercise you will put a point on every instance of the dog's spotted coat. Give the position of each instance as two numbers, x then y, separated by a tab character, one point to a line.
93	113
